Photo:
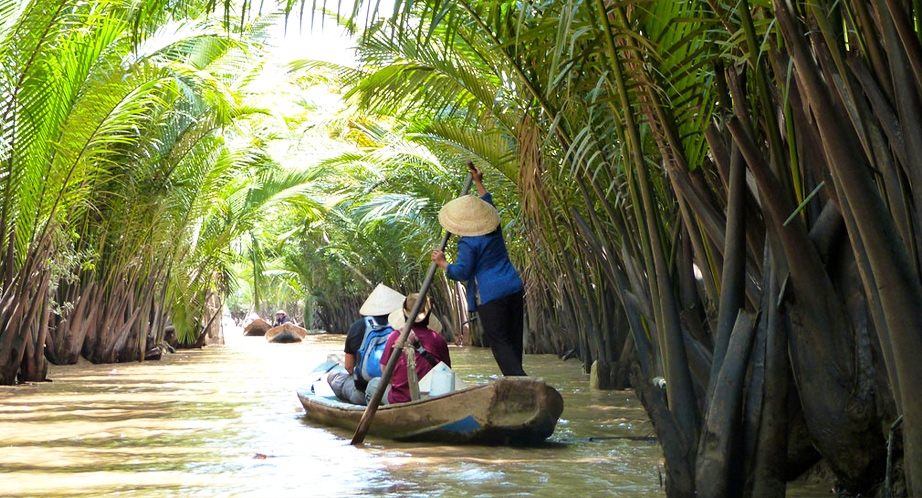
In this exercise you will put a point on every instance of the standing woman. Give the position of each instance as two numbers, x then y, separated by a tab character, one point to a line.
494	289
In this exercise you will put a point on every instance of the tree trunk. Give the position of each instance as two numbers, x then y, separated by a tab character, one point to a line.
720	447
214	307
679	456
767	458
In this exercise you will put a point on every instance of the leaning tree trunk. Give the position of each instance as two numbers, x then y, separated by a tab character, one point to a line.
214	306
23	317
68	329
34	367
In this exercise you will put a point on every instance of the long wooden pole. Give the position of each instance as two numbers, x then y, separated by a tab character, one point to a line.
372	407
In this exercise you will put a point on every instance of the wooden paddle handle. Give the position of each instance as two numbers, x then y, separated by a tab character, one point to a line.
413	379
372	407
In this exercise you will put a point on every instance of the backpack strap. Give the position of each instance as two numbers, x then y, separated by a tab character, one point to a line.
426	354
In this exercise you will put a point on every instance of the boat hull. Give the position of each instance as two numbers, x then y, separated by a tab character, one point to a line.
285	337
512	410
286	333
257	327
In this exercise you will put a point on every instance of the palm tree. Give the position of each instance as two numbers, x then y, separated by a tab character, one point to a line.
119	169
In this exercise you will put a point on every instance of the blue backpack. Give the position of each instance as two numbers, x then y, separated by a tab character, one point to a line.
368	365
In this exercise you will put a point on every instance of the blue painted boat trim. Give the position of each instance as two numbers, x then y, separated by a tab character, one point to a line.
463	426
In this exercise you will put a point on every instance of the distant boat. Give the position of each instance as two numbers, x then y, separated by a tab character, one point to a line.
257	327
286	332
511	410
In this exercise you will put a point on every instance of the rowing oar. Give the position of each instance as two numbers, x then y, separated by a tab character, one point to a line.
372	407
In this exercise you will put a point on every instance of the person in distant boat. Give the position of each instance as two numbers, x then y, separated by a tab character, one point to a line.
364	347
280	318
430	346
494	288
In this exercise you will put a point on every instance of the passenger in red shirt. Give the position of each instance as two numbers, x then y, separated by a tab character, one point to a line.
431	347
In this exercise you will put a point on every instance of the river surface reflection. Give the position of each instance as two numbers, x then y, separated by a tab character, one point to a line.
226	421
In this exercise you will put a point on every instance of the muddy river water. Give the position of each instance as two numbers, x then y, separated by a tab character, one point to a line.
226	421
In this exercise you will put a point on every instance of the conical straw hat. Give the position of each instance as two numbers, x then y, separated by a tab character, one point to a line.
381	301
469	216
397	320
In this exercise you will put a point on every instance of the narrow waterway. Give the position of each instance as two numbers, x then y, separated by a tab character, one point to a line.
226	421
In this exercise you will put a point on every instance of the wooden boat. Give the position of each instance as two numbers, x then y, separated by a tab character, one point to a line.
286	332
512	410
256	327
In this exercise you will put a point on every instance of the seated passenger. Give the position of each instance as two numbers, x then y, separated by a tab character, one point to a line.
280	318
431	347
364	347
